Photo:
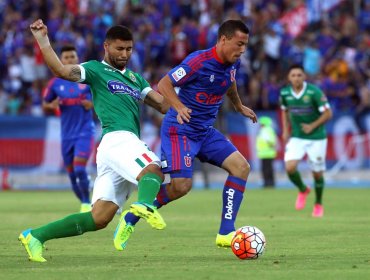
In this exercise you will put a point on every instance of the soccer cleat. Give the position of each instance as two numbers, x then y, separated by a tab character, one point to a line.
149	213
318	211
224	240
300	203
32	246
85	207
122	233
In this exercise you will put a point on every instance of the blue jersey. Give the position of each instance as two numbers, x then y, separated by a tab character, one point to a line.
203	81
77	122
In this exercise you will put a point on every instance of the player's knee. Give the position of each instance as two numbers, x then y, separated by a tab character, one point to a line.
101	221
181	187
101	224
241	169
290	168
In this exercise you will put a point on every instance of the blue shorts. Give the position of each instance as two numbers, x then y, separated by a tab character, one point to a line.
181	144
81	147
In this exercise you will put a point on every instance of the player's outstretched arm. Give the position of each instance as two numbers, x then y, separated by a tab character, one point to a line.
233	95
68	72
166	88
157	101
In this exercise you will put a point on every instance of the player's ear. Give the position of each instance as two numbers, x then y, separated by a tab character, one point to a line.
105	45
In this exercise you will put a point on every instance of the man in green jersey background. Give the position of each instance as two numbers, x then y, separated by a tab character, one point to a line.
123	160
305	110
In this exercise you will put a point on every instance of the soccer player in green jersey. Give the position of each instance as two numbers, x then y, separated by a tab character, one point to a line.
305	110
123	160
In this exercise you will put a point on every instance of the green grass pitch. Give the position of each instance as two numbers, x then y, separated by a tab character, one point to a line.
298	246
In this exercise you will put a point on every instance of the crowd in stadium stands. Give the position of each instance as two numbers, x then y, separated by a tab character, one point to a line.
334	47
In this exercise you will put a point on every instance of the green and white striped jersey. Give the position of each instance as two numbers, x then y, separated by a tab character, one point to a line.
116	95
304	107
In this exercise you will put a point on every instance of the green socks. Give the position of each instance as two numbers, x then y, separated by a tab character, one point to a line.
296	179
148	187
72	225
319	188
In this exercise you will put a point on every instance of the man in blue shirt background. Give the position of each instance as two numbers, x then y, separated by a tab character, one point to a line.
77	126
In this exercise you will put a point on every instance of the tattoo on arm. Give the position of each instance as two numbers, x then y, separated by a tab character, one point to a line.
233	96
75	74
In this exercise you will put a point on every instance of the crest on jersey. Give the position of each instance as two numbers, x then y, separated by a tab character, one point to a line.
187	161
132	77
306	99
178	74
117	87
232	75
212	78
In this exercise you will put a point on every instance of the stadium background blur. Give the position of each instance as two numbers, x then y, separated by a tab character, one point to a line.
330	38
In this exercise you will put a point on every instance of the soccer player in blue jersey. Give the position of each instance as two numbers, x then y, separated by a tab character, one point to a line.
78	128
204	78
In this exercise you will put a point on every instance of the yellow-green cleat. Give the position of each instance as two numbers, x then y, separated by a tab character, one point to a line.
32	246
149	213
122	233
224	241
85	207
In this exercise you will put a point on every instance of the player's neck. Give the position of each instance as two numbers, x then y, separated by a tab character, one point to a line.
297	89
218	55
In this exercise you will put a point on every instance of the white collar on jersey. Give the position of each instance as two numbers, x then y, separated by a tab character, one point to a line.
299	94
122	72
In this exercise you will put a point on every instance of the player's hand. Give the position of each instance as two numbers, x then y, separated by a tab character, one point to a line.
249	113
87	104
183	115
307	128
39	29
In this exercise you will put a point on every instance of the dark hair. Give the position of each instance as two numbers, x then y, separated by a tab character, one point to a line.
229	27
119	32
295	66
67	48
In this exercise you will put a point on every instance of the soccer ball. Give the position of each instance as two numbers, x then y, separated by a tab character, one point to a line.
248	243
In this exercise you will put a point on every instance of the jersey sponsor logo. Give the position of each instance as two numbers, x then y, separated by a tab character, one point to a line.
301	110
117	87
232	75
108	69
212	78
178	74
203	97
187	161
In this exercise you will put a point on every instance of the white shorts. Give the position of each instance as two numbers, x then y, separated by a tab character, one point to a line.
120	158
297	148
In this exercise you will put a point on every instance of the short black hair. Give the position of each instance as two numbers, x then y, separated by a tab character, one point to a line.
229	27
295	66
67	48
119	32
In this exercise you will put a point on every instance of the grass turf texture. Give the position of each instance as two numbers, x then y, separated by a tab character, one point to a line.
298	246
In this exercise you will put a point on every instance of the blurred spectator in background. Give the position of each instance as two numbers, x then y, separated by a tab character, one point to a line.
266	144
332	42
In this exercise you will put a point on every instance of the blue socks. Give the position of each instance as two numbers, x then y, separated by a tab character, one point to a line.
232	196
83	183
